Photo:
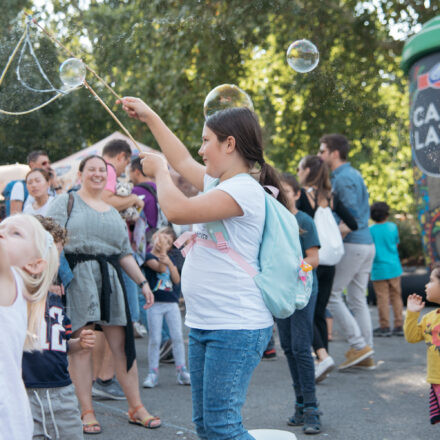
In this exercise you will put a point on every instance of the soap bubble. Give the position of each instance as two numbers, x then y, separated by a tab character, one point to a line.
72	72
226	96
302	56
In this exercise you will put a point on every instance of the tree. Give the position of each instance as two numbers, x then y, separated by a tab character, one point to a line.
171	53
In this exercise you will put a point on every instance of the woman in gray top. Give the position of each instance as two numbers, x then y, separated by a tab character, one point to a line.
98	248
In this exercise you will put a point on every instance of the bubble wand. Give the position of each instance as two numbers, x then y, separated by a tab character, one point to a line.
87	85
24	40
69	52
83	81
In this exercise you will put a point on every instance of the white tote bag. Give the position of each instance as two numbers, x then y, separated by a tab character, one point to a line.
332	246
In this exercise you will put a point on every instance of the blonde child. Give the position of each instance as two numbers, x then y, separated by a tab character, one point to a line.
164	278
46	377
28	264
428	329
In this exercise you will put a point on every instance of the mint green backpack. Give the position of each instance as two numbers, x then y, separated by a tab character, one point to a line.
285	280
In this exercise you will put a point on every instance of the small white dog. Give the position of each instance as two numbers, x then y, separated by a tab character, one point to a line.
130	214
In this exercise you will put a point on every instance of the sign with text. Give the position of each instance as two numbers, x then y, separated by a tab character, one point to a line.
425	113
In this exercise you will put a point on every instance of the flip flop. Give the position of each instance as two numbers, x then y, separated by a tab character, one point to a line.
89	427
146	422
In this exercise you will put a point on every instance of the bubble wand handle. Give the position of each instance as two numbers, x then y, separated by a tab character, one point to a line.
111	114
12	56
69	52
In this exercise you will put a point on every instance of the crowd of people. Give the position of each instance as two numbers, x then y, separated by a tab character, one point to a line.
77	280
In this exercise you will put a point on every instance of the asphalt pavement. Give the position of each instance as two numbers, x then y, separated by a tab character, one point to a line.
389	403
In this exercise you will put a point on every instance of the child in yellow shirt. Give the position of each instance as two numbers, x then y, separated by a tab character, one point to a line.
428	329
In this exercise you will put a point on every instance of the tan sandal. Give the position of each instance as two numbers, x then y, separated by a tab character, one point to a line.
90	427
146	422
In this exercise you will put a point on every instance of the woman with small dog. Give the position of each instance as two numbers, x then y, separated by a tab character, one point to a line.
97	251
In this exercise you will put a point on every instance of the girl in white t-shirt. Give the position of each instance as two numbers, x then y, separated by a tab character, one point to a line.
28	264
37	183
230	324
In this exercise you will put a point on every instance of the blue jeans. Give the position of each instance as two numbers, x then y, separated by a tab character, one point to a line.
132	296
221	363
296	337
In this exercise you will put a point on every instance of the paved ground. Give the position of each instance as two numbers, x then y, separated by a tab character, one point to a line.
390	403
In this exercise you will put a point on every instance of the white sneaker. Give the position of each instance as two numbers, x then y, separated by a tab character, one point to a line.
323	369
151	380
139	330
183	377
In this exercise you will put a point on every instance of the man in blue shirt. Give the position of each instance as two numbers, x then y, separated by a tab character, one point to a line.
353	271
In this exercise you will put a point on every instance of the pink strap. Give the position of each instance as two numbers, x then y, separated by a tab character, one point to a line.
190	238
274	191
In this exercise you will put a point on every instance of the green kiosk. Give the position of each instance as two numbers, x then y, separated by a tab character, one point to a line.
421	61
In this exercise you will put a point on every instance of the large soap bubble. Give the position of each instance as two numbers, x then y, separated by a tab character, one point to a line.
72	72
226	96
302	56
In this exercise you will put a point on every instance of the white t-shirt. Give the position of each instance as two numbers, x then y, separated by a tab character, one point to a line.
15	413
17	193
218	293
29	209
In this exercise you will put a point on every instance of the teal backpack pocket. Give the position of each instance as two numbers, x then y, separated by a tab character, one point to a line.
284	280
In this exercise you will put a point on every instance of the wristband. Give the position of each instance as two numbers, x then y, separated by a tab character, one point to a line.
142	284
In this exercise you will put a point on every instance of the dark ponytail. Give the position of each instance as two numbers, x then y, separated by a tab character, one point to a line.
243	125
270	176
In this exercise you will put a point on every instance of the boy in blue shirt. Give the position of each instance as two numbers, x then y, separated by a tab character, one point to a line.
386	271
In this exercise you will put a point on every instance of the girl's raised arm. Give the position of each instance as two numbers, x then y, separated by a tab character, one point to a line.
176	153
179	209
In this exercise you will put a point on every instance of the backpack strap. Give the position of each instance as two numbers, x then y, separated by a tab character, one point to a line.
70	202
153	192
189	239
149	188
272	190
219	238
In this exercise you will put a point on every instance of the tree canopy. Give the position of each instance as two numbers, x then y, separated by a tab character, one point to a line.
172	53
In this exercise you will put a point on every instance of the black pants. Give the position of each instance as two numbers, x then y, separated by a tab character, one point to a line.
325	276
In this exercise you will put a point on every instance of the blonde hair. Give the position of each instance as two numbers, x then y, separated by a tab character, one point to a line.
37	286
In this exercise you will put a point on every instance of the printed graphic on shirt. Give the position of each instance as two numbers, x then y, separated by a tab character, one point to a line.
54	329
434	332
164	281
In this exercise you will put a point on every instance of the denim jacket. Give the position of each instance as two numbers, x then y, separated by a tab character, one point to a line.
64	272
349	186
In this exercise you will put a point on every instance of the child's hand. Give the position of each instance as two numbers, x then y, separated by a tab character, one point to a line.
58	289
148	294
87	339
152	163
135	108
164	259
415	303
